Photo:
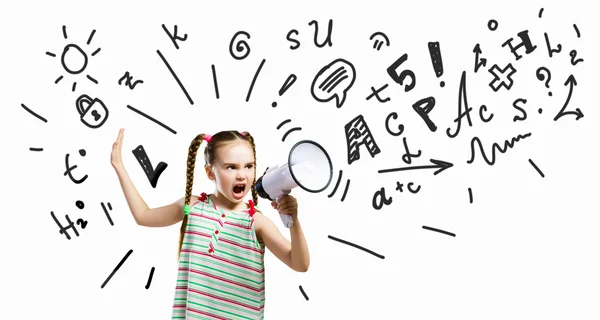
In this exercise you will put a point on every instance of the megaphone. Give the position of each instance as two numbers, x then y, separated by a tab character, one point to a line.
308	167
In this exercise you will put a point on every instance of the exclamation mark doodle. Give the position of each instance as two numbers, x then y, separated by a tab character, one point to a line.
286	85
436	60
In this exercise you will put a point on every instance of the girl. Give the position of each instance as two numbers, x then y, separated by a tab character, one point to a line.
222	242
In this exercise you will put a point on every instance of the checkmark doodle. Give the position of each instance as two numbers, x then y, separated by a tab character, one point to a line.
152	173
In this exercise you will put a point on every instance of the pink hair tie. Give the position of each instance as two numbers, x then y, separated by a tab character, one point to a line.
243	133
207	137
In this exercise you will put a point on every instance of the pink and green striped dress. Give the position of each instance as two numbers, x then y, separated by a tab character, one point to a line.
221	265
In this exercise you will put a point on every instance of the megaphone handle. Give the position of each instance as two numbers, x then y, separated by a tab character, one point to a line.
287	220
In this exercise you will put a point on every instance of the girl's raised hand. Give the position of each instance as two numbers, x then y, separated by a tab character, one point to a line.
115	156
286	204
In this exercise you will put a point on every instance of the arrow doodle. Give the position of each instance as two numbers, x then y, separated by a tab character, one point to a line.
437	164
571	82
478	62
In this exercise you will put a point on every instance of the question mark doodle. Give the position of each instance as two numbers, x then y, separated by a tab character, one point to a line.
541	77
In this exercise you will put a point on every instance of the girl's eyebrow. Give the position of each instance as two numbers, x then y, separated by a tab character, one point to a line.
233	164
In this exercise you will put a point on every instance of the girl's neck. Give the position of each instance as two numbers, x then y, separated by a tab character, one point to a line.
222	202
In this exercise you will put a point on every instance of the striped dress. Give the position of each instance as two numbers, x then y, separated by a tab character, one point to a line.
221	265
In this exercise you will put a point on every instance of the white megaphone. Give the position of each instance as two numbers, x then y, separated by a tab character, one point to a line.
308	167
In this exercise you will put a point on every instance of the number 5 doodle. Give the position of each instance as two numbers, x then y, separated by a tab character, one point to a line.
399	78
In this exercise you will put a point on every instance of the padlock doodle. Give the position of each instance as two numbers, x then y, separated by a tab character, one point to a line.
93	113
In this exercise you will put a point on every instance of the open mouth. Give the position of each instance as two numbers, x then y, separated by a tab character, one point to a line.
238	190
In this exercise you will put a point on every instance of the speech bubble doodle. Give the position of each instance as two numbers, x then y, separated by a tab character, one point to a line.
333	80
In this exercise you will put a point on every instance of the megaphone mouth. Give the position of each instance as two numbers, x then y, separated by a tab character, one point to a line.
298	182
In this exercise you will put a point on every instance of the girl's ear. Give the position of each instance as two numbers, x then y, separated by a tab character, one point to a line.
209	173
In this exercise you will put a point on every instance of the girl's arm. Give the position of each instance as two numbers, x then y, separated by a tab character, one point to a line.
300	255
295	254
144	216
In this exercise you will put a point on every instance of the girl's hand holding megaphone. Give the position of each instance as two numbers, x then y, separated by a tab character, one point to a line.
286	204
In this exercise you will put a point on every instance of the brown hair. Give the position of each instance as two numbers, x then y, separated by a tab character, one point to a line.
215	142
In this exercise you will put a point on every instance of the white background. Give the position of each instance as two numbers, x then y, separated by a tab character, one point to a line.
526	248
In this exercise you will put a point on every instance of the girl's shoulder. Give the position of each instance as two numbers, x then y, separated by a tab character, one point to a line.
181	201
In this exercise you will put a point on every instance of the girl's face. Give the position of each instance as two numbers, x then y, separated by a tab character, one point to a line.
233	171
